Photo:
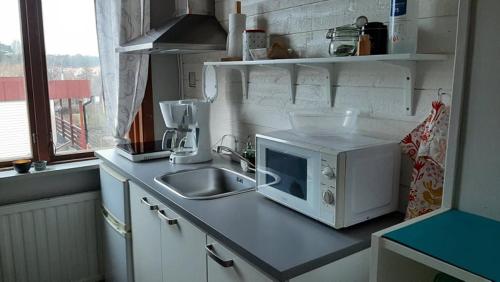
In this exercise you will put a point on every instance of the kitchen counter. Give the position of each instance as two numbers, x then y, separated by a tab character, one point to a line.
277	240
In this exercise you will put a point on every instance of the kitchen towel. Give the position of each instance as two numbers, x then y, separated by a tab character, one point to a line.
237	24
426	146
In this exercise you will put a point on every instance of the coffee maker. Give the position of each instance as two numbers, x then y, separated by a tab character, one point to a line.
189	122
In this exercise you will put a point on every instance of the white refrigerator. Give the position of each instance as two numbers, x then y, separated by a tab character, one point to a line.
117	236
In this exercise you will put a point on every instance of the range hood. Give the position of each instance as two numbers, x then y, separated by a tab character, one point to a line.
189	32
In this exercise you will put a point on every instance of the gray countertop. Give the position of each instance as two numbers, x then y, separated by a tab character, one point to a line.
277	240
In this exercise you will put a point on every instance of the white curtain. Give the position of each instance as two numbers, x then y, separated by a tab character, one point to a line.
124	76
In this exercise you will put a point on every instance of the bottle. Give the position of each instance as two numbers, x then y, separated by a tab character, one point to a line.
249	152
364	45
403	29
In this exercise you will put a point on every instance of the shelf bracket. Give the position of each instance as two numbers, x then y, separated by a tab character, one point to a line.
293	80
409	69
329	92
245	75
292	73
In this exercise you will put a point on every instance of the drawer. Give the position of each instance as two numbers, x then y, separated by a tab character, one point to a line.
115	194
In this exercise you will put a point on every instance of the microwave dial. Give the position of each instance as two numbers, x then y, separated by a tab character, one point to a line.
328	197
328	172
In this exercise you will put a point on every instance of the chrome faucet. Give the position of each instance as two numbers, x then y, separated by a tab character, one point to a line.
250	166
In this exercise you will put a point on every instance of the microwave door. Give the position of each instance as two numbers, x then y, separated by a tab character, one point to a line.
286	174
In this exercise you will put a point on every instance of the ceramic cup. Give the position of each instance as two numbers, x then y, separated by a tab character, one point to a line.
40	165
22	166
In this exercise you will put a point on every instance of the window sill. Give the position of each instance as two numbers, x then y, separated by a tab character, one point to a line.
55	169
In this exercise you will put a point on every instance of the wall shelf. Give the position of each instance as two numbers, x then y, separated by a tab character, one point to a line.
407	63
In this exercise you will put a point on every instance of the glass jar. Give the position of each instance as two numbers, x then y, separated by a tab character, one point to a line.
344	40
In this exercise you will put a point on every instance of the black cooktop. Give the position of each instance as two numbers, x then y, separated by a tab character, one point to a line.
141	147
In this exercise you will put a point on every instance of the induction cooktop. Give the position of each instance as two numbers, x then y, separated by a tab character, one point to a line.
142	151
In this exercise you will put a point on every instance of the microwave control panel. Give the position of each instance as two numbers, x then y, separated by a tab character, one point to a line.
328	182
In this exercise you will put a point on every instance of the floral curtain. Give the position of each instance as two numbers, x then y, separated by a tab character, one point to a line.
426	146
124	76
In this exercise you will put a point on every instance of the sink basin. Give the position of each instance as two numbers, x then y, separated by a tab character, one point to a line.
206	183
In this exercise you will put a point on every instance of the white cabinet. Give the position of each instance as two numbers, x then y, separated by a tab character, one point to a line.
146	237
224	266
353	268
182	246
166	247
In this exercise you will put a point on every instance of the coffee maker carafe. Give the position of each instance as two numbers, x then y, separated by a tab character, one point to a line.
189	119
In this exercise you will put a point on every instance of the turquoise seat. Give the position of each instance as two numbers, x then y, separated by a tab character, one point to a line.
461	239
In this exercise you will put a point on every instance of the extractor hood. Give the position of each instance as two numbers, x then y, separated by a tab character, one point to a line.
190	32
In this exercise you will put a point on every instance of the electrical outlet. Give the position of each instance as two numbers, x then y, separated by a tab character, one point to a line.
192	79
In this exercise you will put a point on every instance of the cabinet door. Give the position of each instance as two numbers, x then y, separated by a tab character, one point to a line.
183	253
146	240
224	266
115	194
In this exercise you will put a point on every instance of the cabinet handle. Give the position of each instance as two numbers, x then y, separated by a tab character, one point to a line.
210	252
145	201
163	215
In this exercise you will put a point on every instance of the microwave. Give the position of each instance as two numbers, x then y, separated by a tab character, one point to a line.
337	180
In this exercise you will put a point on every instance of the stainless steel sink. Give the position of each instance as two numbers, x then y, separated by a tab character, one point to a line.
206	183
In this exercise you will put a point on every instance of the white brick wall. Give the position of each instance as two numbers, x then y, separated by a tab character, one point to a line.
374	88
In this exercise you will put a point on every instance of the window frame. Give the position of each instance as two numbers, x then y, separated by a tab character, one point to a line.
37	93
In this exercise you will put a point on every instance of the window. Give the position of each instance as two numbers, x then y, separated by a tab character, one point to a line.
14	123
77	113
51	99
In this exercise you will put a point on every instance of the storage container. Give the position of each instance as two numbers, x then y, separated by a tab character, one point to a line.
253	39
340	120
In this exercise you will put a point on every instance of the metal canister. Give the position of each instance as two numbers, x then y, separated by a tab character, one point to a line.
253	39
378	37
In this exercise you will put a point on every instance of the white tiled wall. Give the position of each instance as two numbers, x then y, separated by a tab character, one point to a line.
375	88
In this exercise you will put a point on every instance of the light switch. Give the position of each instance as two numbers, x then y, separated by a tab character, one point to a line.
192	79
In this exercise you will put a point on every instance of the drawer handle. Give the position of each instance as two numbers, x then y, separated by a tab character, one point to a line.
216	258
163	215
145	201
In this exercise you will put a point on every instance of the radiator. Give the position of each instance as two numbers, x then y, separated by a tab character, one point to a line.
52	240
